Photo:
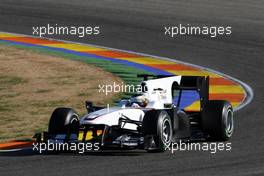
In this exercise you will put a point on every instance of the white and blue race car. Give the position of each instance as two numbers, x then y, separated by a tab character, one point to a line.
151	120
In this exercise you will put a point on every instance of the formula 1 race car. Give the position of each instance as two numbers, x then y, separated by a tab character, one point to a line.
151	120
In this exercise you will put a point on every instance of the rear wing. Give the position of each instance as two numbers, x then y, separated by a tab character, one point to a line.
197	83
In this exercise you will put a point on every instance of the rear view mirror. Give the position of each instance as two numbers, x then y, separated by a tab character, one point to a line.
89	106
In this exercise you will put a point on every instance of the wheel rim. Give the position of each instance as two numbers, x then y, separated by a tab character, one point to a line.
166	131
229	123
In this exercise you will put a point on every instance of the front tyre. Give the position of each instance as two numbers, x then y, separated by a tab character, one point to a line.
217	119
63	121
157	127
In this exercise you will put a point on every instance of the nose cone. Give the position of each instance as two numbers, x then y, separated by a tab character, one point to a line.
102	115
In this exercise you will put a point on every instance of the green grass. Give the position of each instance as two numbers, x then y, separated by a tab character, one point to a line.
11	80
43	90
9	95
84	94
4	106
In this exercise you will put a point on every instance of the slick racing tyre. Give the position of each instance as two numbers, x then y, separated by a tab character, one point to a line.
157	129
217	120
63	121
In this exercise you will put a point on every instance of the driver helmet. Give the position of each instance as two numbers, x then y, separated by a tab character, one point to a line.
139	100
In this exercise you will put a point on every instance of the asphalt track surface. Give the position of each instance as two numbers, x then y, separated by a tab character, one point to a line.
138	26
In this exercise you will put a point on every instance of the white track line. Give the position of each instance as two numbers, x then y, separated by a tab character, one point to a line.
247	88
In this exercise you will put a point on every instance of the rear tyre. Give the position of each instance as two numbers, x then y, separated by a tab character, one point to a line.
217	119
157	129
63	121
